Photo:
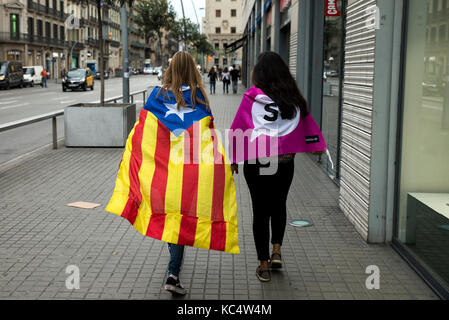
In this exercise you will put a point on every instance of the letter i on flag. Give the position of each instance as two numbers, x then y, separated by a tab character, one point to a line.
173	183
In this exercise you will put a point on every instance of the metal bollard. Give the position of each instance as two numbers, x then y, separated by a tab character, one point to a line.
55	133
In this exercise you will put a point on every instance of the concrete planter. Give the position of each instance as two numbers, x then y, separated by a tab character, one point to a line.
93	125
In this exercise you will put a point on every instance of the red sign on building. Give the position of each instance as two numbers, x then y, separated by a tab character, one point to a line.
284	3
331	9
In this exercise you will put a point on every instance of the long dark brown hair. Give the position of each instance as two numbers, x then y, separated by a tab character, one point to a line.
272	76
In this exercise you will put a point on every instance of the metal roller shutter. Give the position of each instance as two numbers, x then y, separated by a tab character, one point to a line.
357	115
293	53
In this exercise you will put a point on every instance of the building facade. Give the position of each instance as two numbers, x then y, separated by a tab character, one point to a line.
63	34
223	25
375	75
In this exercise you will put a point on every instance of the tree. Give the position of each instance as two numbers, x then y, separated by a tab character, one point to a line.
153	17
202	45
100	4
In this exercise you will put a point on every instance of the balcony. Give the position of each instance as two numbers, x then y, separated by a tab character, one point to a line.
28	38
115	44
93	20
76	45
137	44
93	42
32	6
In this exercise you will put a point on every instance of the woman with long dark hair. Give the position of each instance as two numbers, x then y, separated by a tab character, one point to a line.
281	105
213	77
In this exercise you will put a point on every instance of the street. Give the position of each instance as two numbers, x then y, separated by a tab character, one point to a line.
17	104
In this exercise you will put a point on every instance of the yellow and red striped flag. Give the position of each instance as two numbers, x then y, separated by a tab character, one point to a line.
174	183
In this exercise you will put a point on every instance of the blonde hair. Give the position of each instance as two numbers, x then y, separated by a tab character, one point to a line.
182	70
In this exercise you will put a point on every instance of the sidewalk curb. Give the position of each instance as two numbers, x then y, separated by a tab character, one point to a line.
24	157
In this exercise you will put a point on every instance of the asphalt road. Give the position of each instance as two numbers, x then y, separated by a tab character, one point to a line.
17	104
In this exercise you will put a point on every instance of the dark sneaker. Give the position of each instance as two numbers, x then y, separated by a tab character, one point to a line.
174	286
263	275
275	262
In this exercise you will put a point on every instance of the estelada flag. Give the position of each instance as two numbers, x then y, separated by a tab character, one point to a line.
258	130
173	183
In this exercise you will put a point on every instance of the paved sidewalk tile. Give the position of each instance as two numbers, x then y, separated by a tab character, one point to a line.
40	237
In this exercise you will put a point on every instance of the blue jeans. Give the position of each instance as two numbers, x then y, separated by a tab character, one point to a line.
212	87
176	255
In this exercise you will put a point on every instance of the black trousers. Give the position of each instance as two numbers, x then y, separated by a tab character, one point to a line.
269	200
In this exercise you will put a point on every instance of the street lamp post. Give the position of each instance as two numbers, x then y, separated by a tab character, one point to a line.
71	52
185	29
125	61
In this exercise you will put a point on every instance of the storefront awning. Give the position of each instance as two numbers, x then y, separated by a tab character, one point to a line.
235	45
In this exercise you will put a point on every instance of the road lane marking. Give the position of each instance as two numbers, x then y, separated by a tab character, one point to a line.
15	106
67	101
9	101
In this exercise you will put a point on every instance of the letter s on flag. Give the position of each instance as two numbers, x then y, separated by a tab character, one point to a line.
331	9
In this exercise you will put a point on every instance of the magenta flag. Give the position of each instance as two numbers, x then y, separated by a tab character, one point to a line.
258	131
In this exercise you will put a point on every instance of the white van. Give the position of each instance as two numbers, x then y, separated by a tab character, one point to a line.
32	75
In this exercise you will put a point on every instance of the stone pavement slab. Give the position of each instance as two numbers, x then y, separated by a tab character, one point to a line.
40	237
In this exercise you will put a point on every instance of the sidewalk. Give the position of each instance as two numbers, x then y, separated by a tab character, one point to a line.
40	237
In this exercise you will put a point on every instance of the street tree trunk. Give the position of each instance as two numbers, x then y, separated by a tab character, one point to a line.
101	58
159	35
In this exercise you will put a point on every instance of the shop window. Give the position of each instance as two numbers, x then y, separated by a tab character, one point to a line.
332	89
423	191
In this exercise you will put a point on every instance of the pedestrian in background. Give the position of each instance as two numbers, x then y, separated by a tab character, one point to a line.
44	78
274	87
213	77
226	78
235	74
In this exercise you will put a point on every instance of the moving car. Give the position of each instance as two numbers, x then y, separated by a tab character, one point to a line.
156	70
433	85
160	75
78	79
11	74
106	75
148	70
32	75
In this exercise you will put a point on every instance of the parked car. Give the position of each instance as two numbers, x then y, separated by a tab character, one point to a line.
148	70
160	75
32	75
78	79
11	74
106	75
156	70
433	85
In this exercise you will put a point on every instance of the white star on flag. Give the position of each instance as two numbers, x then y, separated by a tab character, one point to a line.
172	109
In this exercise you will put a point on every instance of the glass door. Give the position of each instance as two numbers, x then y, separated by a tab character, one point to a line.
334	37
422	215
